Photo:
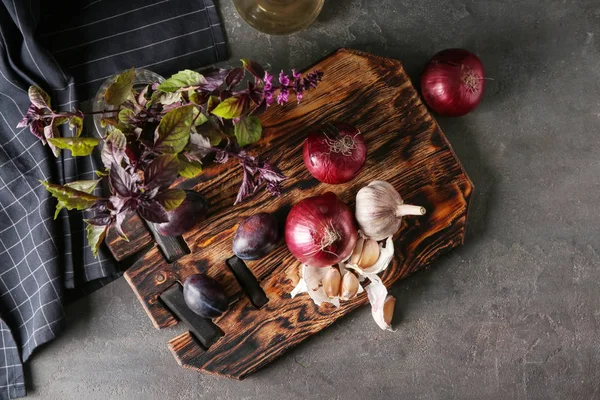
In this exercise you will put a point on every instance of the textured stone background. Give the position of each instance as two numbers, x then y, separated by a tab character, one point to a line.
513	314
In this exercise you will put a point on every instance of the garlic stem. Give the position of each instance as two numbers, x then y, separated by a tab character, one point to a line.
407	209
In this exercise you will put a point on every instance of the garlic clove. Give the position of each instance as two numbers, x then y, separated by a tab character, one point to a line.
386	254
369	254
378	296
356	253
311	283
350	286
332	282
388	309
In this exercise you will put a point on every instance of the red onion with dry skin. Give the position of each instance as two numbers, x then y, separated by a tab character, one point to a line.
334	153
452	82
320	230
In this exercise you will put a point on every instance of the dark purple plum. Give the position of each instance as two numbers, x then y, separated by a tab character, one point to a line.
256	237
193	209
204	296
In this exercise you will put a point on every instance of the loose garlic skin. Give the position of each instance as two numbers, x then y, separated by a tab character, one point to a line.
379	210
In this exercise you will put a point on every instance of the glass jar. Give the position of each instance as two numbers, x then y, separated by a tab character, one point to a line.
143	77
279	17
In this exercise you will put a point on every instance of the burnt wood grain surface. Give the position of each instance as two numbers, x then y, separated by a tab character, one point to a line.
405	147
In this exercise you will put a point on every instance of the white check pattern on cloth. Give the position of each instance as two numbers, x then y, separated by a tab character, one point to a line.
40	258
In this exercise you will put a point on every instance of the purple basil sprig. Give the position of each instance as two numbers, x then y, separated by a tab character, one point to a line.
165	131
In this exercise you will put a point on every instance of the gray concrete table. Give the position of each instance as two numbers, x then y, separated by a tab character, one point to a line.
514	314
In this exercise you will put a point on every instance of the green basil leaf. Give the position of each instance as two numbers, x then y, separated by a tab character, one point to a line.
126	116
78	146
101	174
182	79
69	198
120	90
212	132
59	121
199	117
76	124
83	186
196	97
163	98
212	102
87	186
38	97
189	169
95	236
230	108
248	130
173	132
171	198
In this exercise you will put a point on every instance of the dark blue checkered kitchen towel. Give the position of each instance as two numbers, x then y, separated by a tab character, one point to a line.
68	47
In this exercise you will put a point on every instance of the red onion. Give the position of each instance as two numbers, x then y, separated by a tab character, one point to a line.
320	230
452	82
335	153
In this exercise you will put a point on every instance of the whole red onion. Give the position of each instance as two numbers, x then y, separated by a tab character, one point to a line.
334	153
452	82
320	230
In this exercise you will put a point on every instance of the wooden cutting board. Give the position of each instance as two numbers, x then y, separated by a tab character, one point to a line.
405	147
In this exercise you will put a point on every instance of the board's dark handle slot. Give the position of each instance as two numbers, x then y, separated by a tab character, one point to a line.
173	248
248	282
203	329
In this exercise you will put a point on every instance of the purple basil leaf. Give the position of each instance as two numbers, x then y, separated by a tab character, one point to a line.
259	109
23	123
214	79
161	172
37	128
234	77
117	203
28	117
255	95
113	151
225	94
221	157
100	206
122	216
271	173
38	97
120	204
273	177
198	147
141	98
100	220
248	186
153	211
254	68
120	182
152	193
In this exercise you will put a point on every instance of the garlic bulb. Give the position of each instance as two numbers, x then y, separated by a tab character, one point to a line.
379	210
